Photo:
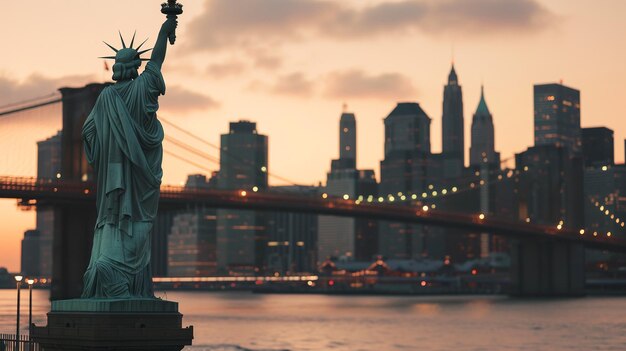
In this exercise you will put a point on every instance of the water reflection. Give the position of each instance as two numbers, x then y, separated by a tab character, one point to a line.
242	321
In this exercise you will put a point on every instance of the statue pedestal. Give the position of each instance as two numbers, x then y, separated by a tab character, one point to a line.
112	325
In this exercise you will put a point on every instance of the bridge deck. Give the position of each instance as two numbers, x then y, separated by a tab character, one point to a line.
35	192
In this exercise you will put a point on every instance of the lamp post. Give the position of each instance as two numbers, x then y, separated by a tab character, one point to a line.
18	280
30	306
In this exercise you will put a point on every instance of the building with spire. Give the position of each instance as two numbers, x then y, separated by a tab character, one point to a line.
453	141
482	148
347	238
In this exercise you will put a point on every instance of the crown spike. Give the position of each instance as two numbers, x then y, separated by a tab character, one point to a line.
132	41
143	51
122	39
109	45
140	45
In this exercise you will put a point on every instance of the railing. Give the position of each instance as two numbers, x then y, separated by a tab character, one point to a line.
8	343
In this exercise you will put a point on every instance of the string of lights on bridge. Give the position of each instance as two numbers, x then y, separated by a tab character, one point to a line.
431	193
604	209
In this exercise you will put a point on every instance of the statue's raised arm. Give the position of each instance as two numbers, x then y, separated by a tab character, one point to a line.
160	47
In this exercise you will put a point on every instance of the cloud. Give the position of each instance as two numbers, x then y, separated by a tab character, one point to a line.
269	23
266	61
225	69
37	85
481	17
357	84
242	22
464	17
179	99
294	84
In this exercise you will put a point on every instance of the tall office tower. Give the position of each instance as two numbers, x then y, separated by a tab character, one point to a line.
550	186
557	116
292	237
407	146
49	157
404	170
192	249
30	254
241	235
453	141
347	139
342	238
482	149
48	167
598	149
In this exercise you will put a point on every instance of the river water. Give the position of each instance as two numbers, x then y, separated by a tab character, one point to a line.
239	321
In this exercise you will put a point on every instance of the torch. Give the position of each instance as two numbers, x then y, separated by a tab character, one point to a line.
172	9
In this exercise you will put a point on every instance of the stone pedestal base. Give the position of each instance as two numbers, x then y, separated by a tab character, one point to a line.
112	325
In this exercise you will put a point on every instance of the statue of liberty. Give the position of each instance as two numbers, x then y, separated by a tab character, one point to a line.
122	139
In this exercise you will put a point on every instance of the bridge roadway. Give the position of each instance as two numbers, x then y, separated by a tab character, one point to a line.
31	191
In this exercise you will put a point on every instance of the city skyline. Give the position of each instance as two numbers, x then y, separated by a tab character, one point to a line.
413	77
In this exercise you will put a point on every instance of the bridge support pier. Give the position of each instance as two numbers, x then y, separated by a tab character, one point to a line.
74	223
547	267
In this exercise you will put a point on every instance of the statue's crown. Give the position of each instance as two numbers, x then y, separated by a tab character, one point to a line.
127	54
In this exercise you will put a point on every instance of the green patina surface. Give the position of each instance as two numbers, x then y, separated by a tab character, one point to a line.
122	138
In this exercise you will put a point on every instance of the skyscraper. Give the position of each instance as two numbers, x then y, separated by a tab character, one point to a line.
48	167
550	186
192	244
292	237
347	139
598	149
30	253
453	141
241	235
557	116
404	170
407	146
482	148
192	236
347	238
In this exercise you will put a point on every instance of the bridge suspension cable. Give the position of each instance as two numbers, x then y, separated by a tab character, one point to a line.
29	107
188	161
230	155
192	149
31	100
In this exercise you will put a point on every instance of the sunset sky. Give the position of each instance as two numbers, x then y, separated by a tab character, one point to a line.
290	65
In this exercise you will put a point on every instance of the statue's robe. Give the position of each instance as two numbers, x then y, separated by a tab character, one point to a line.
122	140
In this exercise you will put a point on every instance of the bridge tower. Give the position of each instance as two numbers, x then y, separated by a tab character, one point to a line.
74	223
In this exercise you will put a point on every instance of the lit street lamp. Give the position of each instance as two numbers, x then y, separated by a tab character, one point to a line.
30	306
18	279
